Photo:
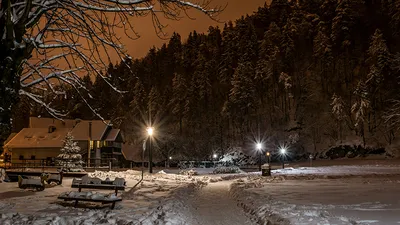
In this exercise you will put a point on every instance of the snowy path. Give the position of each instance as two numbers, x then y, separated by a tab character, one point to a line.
213	205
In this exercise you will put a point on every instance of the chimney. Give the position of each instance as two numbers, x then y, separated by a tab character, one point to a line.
90	130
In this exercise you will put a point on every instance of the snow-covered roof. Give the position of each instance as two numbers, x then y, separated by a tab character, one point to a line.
38	136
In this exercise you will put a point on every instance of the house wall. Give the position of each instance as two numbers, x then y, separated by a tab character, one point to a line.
53	152
27	153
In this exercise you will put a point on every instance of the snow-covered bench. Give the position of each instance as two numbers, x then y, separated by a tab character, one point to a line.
57	178
90	197
95	183
37	184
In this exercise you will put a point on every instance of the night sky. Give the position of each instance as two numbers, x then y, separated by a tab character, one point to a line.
234	10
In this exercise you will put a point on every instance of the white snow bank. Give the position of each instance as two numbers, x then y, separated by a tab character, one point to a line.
127	175
89	195
352	200
204	171
227	169
339	170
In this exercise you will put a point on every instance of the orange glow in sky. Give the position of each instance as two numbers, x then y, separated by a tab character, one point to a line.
148	38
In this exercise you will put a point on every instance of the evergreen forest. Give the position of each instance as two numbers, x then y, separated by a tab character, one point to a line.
308	74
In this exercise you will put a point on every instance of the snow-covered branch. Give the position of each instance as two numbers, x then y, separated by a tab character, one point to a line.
57	41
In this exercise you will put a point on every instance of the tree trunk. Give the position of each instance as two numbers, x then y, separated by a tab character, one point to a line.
11	58
9	88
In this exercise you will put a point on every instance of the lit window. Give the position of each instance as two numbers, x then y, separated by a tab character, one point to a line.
90	144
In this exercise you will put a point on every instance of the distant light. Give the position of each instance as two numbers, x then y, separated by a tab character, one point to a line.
259	146
283	151
150	131
215	156
170	157
268	153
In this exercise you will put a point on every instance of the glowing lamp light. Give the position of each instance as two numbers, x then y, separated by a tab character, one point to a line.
150	131
259	146
268	153
215	156
283	151
170	157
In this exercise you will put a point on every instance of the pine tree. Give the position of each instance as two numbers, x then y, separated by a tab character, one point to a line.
360	109
348	16
70	156
338	112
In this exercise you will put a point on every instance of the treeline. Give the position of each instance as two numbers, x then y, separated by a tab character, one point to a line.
305	74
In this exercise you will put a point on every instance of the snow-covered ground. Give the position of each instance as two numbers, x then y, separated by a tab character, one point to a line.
363	194
324	195
149	203
345	170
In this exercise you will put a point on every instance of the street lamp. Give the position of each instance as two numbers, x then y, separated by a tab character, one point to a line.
268	155
259	147
283	154
150	131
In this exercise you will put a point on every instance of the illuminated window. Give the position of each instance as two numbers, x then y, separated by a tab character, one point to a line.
90	144
98	144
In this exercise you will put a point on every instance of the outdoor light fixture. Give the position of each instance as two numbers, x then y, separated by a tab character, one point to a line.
170	157
150	131
259	146
268	157
283	153
215	156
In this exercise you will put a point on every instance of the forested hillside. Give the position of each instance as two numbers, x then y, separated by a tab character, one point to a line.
309	74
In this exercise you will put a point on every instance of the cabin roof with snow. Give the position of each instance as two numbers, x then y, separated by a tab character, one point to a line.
49	133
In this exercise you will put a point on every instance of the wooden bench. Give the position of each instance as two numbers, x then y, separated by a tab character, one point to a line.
96	183
25	182
56	178
103	201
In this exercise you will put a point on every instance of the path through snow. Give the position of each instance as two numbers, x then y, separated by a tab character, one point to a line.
212	204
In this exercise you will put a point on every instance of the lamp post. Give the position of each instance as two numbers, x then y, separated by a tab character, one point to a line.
283	153
169	159
259	147
268	155
150	133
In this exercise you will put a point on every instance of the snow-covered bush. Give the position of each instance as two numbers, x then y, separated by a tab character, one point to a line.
224	169
236	158
70	156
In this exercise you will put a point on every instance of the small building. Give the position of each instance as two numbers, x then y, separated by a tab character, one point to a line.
100	143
